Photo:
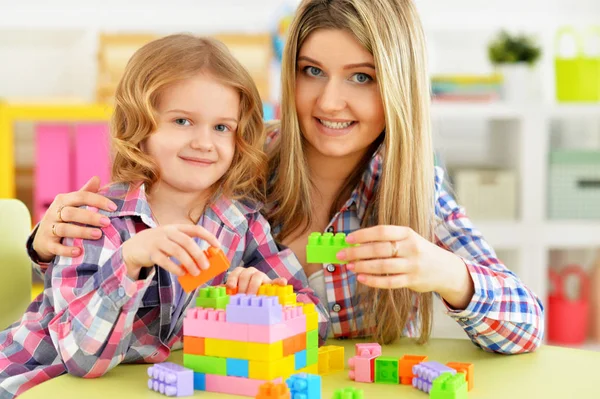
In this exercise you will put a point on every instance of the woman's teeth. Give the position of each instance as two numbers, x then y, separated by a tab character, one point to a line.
335	125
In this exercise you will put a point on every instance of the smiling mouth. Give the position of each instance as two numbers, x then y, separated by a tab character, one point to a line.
198	161
336	125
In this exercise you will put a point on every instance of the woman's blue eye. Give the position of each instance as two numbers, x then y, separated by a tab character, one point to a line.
361	78
313	71
221	128
182	122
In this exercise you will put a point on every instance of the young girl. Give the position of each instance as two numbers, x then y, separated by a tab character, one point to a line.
354	154
188	137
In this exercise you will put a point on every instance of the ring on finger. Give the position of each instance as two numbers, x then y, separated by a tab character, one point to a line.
58	213
54	230
395	248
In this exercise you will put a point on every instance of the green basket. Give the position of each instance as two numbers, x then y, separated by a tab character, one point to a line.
577	77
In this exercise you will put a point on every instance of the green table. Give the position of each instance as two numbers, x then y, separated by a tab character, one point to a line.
551	372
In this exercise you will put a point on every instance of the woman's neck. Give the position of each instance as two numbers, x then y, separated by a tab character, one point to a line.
328	174
170	206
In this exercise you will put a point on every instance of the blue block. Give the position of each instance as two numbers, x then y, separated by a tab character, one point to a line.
199	381
237	368
300	359
304	385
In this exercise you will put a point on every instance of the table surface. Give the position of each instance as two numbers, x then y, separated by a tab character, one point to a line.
551	372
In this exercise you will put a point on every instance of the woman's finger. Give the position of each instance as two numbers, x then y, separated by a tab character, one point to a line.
379	233
80	198
380	266
68	230
63	250
377	250
83	216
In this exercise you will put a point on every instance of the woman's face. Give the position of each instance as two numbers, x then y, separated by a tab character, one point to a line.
337	97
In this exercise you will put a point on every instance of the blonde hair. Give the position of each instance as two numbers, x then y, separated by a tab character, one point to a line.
391	31
153	68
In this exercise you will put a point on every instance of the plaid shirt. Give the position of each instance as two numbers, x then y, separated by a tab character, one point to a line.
92	317
503	316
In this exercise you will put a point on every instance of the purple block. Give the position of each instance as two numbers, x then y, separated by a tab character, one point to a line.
252	309
426	372
171	379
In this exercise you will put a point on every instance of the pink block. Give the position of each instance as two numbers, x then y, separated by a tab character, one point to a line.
234	385
52	165
362	368
92	153
294	323
372	349
210	323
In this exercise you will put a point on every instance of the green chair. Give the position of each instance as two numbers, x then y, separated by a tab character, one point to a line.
15	266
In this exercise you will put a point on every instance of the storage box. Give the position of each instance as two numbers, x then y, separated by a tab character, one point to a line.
487	194
574	185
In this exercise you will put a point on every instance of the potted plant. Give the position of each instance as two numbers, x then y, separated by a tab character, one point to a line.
514	56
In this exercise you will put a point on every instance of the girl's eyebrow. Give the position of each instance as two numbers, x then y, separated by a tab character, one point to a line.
349	66
181	111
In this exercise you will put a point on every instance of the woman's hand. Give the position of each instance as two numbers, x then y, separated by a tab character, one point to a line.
249	279
397	257
159	245
63	219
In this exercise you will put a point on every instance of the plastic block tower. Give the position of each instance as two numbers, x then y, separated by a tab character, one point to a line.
218	264
323	247
252	341
427	372
305	386
331	359
449	386
171	379
362	364
348	393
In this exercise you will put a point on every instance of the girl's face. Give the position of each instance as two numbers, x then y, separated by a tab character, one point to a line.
337	98
194	144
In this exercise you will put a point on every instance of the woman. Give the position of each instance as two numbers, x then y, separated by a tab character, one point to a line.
354	154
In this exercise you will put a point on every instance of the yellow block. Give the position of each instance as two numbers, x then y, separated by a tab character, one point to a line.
312	318
286	294
243	350
283	368
331	359
312	369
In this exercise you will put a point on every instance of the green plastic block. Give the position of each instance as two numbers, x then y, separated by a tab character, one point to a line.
449	386
322	248
212	297
312	339
312	356
205	364
348	393
386	370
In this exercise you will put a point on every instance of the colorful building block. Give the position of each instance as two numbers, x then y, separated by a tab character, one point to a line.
205	364
210	323
406	364
312	317
348	393
193	345
268	370
362	367
218	264
252	309
449	386
237	368
331	359
234	385
212	297
312	357
305	386
286	294
199	381
323	247
467	368
426	372
268	390
171	379
312	369
228	290
300	360
294	323
243	350
386	370
370	349
294	344
312	339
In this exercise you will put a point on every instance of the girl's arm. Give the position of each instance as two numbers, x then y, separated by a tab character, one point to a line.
503	315
263	253
95	303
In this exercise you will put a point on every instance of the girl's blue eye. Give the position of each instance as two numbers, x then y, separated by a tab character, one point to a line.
313	71
361	78
182	122
222	128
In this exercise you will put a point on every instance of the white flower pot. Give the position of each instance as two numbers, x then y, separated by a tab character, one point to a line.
518	82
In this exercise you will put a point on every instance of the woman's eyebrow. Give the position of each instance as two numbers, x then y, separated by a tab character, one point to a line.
349	66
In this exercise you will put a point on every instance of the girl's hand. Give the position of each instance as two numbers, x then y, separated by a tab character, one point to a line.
64	219
157	246
397	257
249	279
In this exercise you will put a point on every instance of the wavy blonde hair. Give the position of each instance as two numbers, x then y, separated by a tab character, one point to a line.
153	68
392	32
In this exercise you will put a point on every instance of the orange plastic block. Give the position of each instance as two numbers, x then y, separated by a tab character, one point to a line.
466	368
218	264
405	366
294	344
269	390
193	345
229	291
